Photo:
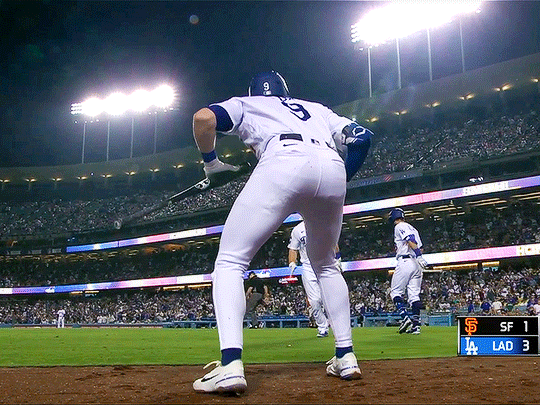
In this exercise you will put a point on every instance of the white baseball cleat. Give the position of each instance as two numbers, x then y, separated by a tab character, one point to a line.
322	334
223	379
345	368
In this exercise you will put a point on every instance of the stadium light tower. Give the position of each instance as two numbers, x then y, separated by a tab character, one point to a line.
400	19
117	104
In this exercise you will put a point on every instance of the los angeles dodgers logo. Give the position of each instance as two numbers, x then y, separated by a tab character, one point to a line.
471	349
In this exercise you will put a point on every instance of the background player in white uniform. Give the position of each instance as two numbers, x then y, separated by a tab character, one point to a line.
534	308
299	170
407	277
297	244
60	320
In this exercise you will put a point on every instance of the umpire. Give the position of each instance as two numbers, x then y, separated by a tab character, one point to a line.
256	290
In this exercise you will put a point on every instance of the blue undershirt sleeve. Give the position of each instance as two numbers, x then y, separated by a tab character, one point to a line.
223	119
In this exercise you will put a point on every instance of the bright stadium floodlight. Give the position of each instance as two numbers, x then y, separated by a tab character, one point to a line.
92	107
116	104
119	103
402	18
140	100
163	96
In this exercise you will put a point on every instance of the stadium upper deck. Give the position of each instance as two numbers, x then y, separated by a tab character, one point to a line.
490	88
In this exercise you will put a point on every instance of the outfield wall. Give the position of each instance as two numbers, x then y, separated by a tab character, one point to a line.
390	319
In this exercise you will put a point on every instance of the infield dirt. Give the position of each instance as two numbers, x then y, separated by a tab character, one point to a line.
454	380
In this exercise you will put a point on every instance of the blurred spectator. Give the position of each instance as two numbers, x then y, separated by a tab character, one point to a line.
450	292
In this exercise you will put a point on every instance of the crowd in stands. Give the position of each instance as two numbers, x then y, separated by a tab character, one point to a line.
455	291
473	292
132	307
416	148
480	227
473	139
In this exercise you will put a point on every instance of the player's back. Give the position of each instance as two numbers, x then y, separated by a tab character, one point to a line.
256	119
402	231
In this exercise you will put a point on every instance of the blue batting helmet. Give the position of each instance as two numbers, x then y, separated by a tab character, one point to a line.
395	214
268	84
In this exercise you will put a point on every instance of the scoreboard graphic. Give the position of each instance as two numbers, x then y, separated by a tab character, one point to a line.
498	335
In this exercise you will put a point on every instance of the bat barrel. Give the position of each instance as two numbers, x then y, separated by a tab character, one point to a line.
123	221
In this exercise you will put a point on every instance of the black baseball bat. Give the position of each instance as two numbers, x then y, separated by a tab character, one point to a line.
215	180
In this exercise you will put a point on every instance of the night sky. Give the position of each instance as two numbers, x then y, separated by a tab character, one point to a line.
56	53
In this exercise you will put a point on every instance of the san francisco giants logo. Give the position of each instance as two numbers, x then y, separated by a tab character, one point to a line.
470	325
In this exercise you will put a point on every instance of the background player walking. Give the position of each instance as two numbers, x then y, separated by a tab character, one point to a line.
297	245
61	314
407	277
299	170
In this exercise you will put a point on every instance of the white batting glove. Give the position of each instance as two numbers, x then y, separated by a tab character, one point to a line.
217	166
422	262
339	265
292	266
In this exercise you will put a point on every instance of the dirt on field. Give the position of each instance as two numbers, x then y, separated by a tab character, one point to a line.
456	380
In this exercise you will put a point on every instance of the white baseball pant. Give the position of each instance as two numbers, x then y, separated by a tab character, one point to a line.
291	176
314	296
407	277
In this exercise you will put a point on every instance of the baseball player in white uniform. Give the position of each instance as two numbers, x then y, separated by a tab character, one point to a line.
299	170
60	320
407	277
534	308
297	245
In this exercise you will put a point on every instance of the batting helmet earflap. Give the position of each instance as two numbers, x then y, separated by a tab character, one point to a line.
268	84
395	214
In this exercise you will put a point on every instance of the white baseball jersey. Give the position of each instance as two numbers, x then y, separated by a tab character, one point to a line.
402	233
257	119
60	321
311	285
298	242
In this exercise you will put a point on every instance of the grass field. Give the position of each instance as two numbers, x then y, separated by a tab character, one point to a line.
159	346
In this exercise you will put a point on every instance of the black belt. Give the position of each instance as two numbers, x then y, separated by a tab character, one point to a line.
404	257
296	137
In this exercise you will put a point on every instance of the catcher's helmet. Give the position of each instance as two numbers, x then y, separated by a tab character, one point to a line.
395	214
268	84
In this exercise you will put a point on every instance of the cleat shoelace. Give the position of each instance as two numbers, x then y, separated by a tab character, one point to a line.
217	363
